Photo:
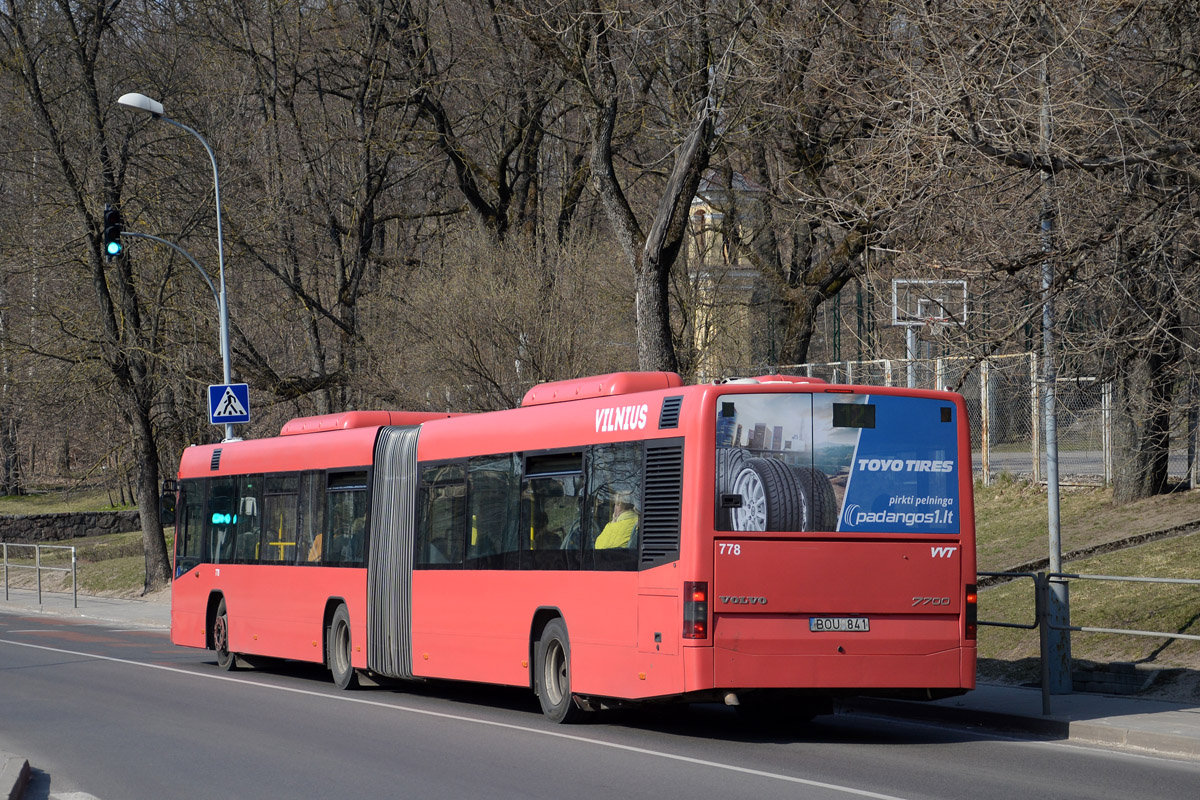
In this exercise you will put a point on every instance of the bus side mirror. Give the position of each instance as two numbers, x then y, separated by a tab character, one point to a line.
729	500
166	503
166	509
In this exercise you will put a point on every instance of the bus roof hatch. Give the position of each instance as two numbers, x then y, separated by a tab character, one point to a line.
614	383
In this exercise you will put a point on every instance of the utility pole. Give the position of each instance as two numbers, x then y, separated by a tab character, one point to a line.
1058	613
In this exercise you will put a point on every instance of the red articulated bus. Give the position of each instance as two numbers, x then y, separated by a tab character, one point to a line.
769	543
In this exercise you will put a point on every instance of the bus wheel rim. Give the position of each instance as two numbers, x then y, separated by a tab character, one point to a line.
556	672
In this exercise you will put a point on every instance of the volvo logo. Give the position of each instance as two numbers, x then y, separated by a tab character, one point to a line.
742	601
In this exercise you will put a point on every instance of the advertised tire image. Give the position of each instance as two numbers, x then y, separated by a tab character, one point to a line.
730	461
771	497
220	631
338	649
818	500
552	674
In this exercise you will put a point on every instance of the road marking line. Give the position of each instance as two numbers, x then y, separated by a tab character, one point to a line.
490	723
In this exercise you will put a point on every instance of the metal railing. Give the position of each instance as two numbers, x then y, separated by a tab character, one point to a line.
40	567
1041	583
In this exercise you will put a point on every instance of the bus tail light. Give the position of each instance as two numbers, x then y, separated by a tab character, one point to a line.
972	627
695	609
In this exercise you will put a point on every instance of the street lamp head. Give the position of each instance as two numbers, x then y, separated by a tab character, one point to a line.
141	103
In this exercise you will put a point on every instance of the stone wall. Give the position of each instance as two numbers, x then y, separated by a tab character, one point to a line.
42	528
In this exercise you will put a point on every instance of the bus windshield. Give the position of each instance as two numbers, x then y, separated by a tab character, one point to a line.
837	462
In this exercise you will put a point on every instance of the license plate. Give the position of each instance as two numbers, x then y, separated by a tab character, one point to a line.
839	624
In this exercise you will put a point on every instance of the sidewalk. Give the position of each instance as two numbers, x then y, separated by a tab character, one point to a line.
1118	721
1125	722
136	612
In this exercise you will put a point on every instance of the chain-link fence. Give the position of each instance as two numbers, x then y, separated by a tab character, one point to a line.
1005	408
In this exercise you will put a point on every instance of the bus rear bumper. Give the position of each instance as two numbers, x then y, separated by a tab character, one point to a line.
897	652
939	670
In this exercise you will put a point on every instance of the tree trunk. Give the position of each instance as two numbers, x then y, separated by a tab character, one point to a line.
158	562
1142	397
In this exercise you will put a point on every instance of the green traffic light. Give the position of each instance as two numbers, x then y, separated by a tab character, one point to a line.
114	248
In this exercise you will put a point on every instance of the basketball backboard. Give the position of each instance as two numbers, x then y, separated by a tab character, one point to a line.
939	303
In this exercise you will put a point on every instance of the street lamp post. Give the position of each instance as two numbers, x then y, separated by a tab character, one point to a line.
141	102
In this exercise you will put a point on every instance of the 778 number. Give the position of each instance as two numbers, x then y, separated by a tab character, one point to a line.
730	548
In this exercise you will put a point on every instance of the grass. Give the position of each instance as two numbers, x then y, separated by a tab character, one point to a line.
1012	529
60	502
1012	521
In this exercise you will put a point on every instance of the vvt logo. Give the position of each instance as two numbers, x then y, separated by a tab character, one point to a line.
941	552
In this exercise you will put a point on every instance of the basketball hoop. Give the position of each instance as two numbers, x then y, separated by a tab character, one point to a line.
933	306
934	326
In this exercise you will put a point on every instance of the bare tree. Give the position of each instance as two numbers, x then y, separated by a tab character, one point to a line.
651	80
1071	132
57	53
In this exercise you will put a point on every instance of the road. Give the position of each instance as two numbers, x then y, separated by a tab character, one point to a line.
124	714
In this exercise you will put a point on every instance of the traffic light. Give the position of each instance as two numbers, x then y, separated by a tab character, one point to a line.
112	233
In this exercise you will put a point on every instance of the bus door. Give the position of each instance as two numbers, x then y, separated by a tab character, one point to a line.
390	558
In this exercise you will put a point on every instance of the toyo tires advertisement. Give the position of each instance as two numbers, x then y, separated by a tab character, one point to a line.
824	462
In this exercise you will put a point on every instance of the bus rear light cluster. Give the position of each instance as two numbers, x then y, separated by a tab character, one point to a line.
695	609
972	626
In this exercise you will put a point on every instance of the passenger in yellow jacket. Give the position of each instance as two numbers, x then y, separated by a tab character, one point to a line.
619	530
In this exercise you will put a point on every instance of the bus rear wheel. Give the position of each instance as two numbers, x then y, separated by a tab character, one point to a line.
338	647
225	659
552	674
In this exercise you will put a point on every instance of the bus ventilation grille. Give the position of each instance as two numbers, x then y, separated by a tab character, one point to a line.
662	504
216	460
668	417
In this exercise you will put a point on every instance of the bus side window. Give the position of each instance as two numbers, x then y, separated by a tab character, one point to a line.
493	521
441	530
189	527
280	500
247	519
551	511
311	539
219	531
614	503
346	515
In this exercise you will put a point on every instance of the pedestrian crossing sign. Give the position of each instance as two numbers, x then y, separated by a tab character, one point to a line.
228	403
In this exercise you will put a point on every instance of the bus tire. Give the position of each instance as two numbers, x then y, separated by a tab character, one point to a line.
817	498
552	674
220	628
338	650
771	499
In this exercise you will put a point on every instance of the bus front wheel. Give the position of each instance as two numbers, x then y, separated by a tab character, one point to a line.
344	676
552	674
225	659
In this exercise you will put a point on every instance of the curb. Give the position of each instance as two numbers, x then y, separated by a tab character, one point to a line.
1090	731
1130	738
14	774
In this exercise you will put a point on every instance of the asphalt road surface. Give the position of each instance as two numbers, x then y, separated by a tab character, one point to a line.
123	714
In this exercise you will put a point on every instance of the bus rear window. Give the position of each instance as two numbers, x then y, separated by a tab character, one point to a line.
823	462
